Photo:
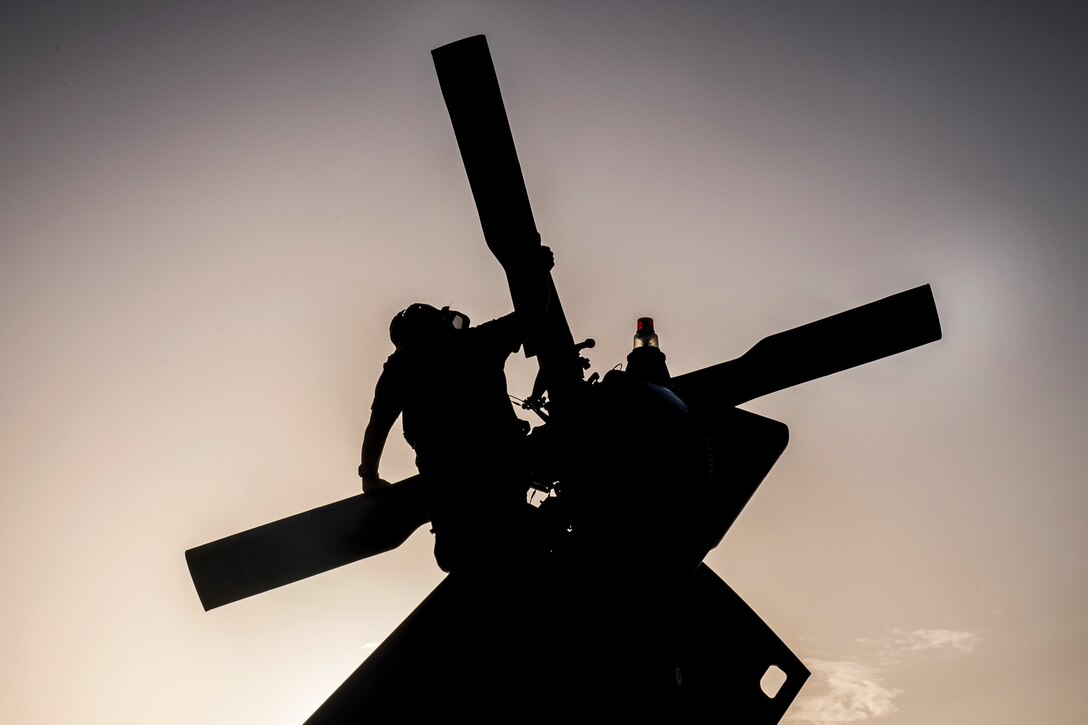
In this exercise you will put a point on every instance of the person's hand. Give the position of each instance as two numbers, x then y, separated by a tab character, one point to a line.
373	484
547	258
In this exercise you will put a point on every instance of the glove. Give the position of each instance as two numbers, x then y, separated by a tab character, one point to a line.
373	483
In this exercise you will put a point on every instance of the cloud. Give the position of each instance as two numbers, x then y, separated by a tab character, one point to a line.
848	690
854	692
898	643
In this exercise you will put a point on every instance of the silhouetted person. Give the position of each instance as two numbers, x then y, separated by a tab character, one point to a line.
447	380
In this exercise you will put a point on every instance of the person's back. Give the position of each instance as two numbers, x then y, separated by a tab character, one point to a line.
450	388
447	380
452	394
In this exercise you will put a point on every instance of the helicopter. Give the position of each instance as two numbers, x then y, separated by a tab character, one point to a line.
615	614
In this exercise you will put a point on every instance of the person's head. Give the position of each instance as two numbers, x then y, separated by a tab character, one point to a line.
420	323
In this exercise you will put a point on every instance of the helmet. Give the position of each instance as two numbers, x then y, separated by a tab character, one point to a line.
420	321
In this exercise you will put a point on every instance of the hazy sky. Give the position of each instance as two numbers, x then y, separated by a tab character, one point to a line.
209	212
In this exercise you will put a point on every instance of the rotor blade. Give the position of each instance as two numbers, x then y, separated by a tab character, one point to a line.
855	337
470	88
745	447
299	546
477	647
426	668
539	643
724	651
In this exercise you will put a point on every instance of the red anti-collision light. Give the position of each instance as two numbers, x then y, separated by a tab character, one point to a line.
644	334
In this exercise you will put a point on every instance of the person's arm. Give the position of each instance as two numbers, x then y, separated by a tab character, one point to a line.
383	414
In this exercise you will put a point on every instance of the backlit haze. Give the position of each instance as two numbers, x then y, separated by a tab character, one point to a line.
210	211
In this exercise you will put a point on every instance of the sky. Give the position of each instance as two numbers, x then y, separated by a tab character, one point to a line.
210	211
